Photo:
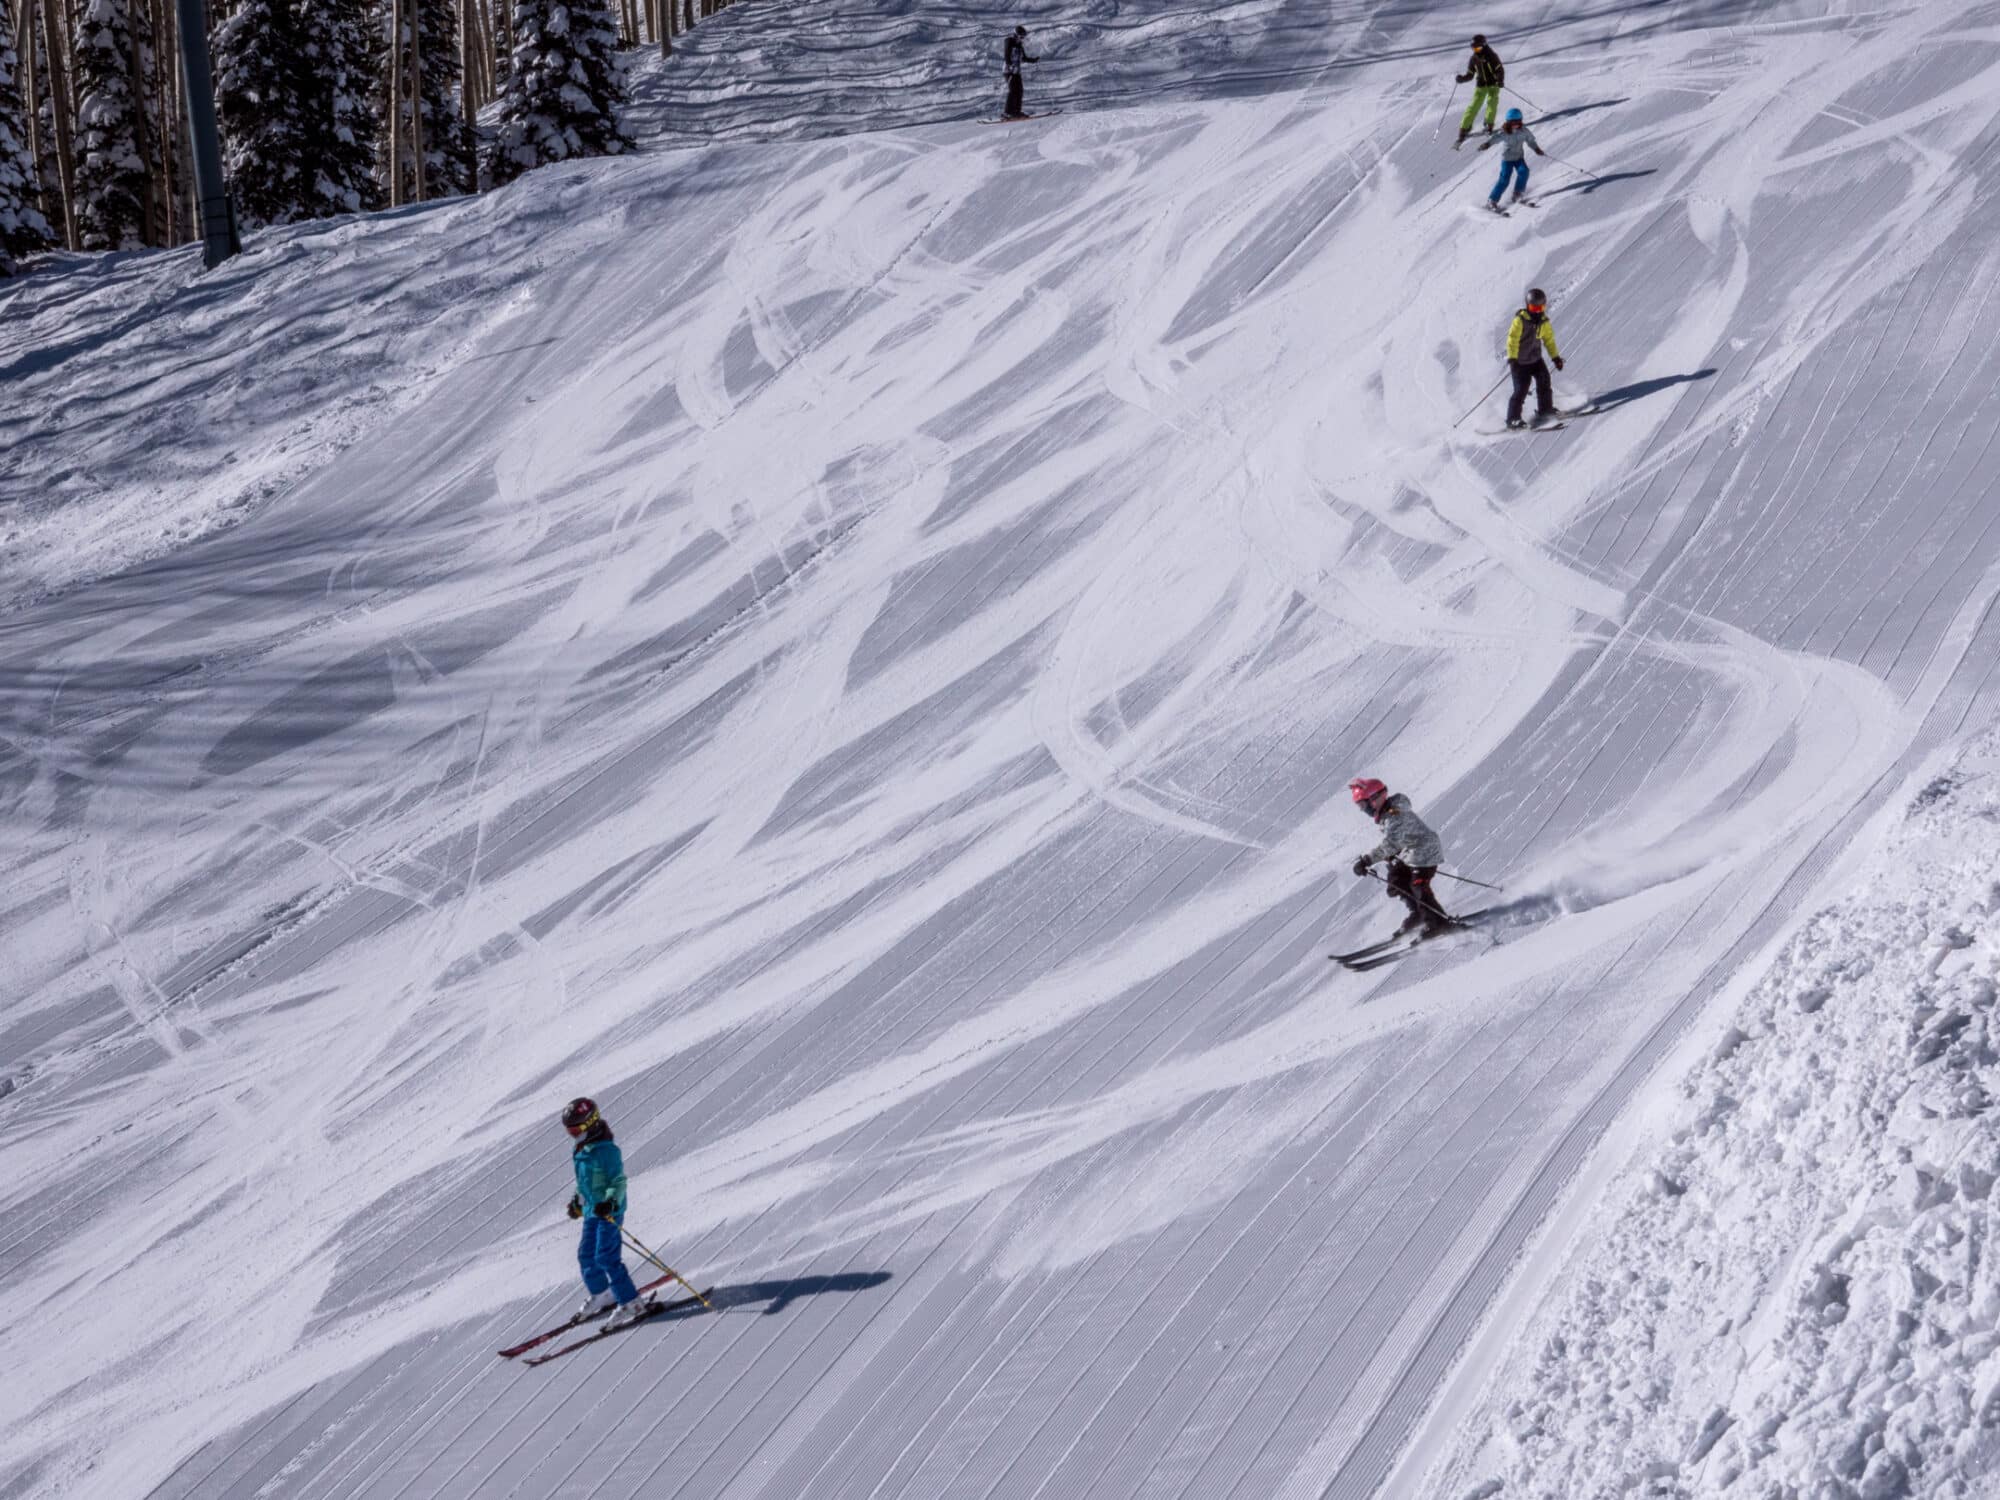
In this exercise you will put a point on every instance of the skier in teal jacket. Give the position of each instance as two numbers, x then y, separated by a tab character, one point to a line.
599	1201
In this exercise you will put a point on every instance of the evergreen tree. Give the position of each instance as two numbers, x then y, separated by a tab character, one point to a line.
258	99
430	47
23	230
563	89
342	55
114	71
293	87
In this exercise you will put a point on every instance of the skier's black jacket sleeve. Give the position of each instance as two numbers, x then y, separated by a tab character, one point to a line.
1485	70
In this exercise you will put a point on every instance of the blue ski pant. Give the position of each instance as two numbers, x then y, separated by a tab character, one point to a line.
602	1257
1509	169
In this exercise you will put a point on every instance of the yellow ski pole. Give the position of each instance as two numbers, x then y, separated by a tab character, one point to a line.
633	1240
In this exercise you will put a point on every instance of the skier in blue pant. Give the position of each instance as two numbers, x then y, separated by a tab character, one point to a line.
1514	140
599	1201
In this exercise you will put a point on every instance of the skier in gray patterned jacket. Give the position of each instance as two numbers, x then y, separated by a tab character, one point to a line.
1412	850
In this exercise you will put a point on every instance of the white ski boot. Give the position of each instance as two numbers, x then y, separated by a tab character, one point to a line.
628	1312
592	1306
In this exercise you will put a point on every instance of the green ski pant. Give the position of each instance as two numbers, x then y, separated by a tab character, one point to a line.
1489	97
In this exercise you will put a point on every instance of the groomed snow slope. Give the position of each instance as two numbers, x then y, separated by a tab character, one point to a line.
849	651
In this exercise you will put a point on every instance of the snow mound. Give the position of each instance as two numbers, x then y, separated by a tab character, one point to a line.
1794	1293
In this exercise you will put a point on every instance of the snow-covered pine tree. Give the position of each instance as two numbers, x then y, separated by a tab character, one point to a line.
23	230
343	52
114	77
259	75
427	33
294	87
563	89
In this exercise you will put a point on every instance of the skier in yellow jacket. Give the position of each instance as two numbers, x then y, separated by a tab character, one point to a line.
1527	337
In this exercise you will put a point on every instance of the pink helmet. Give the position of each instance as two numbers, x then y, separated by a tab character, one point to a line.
1367	791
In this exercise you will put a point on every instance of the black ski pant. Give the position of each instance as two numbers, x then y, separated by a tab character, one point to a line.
1545	396
1412	886
1013	93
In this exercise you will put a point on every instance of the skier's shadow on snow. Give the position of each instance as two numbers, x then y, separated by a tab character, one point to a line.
1576	109
1635	391
1592	184
780	1294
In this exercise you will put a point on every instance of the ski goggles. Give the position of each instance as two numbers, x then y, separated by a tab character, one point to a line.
1537	306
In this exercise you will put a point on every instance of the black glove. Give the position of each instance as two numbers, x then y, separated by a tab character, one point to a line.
1559	363
608	1209
1362	866
1465	78
575	1206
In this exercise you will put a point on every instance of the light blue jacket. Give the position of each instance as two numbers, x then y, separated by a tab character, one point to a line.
600	1174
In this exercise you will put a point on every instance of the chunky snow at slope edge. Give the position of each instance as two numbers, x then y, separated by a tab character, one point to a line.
1797	1292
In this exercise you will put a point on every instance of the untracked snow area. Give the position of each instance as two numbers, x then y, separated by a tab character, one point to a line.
1795	1291
849	647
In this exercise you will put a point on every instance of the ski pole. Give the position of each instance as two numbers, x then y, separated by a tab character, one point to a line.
1475	407
1572	166
633	1240
1468	880
1521	96
1450	99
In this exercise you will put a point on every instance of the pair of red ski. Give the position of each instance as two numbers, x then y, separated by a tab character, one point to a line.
652	1310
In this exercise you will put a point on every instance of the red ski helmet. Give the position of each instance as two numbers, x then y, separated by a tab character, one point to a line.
1366	791
580	1115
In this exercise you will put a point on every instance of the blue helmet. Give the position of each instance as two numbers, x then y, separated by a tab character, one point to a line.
1513	114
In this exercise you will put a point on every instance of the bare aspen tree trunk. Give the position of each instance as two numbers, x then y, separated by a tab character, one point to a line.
62	110
663	23
167	94
416	78
31	102
151	225
470	81
395	103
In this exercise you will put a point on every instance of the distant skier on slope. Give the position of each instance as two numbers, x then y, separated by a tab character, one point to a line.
1411	849
1487	75
599	1200
1527	337
1513	140
1016	54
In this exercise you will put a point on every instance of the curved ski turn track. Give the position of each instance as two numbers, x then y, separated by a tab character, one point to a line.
853	659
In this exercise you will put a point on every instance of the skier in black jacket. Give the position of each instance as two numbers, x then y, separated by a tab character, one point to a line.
1487	75
1017	53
